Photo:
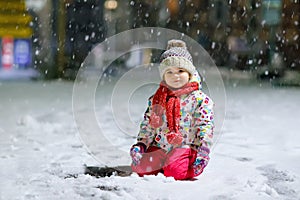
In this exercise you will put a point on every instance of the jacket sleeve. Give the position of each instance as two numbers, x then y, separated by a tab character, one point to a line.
146	132
204	127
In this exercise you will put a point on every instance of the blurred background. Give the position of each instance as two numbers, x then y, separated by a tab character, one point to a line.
49	39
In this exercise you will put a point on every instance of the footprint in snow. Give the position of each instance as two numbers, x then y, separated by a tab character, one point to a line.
244	159
279	181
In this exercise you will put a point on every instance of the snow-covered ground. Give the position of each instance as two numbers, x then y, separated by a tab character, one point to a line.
43	146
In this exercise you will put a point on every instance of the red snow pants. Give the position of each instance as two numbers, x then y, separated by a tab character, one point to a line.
178	163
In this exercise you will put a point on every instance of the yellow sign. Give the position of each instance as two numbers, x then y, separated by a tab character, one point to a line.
14	19
12	5
19	19
21	32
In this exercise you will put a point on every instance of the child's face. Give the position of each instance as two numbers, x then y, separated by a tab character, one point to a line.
176	77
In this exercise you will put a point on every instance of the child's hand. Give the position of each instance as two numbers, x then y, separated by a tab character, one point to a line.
136	153
201	160
199	165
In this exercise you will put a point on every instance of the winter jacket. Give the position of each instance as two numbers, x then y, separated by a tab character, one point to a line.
196	123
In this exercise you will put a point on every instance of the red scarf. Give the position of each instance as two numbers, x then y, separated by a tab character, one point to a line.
169	100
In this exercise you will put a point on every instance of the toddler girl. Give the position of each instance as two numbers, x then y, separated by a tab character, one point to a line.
176	134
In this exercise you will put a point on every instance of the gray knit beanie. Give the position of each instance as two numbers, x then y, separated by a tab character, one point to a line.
176	55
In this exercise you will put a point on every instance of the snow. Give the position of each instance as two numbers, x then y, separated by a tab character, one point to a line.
43	146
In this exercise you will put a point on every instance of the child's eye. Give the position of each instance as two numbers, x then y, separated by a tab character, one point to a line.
181	70
169	72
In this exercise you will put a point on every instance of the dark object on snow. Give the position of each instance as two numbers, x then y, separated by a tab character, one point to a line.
108	171
108	188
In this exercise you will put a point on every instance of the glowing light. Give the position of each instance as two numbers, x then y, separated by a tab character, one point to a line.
111	4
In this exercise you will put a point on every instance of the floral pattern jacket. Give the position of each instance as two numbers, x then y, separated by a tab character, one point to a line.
196	123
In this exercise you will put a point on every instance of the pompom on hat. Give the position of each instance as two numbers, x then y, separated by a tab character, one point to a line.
176	55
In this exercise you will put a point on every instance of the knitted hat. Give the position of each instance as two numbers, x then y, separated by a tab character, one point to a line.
176	55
